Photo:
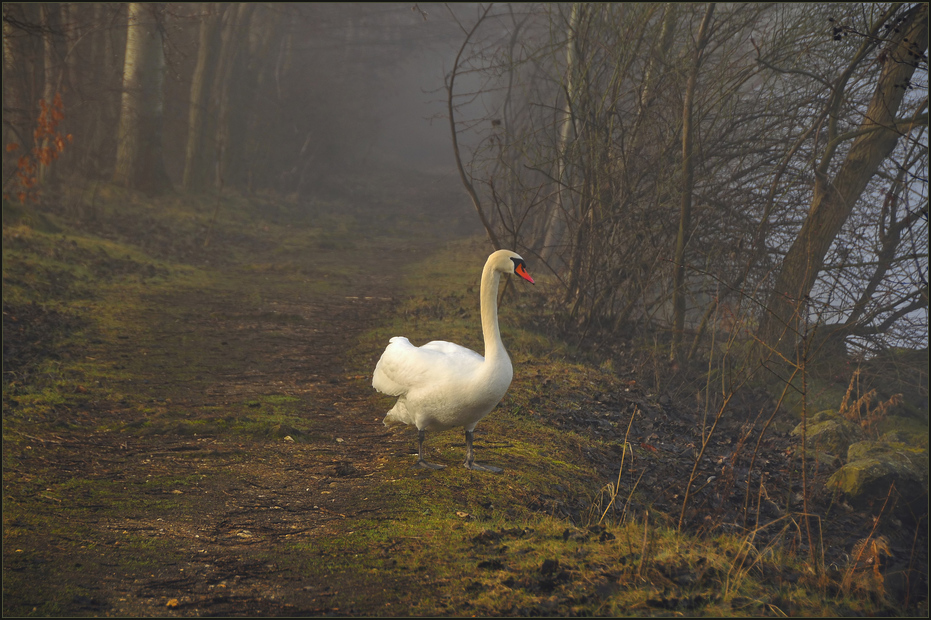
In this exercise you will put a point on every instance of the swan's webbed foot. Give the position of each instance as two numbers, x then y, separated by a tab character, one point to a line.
425	465
420	461
479	467
470	458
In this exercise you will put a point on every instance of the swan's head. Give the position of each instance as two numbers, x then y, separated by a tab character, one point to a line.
507	261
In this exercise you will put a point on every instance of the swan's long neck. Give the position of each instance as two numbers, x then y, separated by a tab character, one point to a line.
494	348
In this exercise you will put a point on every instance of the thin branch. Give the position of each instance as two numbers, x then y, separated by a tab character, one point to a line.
450	82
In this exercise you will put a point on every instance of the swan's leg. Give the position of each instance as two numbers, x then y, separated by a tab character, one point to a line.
470	457
420	462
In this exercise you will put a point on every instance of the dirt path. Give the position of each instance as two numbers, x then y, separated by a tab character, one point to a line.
210	523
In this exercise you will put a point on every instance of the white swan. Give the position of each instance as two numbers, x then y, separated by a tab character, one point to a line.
442	385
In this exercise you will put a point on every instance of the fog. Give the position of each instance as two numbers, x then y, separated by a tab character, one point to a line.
411	100
302	99
413	128
383	67
275	96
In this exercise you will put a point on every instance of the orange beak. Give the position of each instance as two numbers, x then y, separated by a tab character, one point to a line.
522	272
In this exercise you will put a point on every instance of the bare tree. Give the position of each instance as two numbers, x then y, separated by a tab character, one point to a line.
454	132
199	112
608	156
232	40
51	22
688	179
555	222
614	123
837	188
18	112
139	159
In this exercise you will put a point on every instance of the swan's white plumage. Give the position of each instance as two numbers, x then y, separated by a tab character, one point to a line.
442	385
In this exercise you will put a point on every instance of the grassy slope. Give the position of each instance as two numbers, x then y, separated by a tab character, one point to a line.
448	542
81	316
503	552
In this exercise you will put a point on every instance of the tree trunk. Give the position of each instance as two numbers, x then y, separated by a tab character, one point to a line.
556	219
688	182
96	132
232	36
48	12
15	116
833	199
139	162
249	127
208	46
658	55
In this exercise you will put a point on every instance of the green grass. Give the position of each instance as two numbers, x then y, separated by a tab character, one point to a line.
638	565
453	542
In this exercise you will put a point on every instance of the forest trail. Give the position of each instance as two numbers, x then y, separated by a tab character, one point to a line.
174	518
229	458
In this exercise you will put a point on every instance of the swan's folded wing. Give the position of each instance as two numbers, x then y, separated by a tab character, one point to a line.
404	367
454	352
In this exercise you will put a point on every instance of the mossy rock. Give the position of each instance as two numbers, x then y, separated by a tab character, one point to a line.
873	466
830	432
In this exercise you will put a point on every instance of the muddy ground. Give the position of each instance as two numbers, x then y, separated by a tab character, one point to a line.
163	503
234	500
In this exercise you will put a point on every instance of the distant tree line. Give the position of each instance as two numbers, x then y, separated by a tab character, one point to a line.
690	168
198	95
693	169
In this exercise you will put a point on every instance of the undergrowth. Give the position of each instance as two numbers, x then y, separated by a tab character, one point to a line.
553	535
531	554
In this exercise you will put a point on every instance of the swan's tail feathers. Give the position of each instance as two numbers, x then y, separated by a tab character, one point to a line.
398	415
384	384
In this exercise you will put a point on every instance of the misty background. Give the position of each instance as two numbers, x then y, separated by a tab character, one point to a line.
320	86
680	169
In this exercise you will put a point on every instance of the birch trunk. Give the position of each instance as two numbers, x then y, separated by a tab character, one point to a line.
556	220
139	160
